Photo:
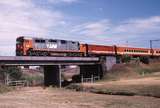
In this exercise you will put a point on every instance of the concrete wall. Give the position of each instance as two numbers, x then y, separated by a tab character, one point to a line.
107	63
110	61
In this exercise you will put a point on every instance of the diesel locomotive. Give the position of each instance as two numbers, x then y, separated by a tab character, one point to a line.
26	46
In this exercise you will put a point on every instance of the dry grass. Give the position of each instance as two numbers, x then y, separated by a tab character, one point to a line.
127	79
132	70
146	86
59	98
4	89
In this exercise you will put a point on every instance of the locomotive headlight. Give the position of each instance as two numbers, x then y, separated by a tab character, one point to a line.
27	46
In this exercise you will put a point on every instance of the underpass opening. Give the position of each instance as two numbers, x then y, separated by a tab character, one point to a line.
89	71
52	75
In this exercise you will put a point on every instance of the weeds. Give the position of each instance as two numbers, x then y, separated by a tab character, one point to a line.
4	89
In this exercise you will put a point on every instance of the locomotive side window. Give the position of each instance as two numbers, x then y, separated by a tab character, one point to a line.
53	40
63	42
73	42
40	41
37	41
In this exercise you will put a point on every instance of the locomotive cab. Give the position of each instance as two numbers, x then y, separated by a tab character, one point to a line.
22	46
19	46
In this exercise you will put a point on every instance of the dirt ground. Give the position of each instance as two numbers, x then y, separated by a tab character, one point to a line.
37	97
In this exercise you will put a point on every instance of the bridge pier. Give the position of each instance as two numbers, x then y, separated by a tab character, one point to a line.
52	75
107	63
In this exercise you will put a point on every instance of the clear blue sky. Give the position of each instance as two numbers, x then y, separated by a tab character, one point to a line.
108	22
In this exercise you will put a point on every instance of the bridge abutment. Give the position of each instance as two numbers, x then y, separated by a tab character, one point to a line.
107	63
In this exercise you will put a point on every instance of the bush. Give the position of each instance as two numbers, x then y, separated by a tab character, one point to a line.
13	72
126	59
34	80
144	59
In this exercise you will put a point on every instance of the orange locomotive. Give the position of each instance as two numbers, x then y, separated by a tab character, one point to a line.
26	46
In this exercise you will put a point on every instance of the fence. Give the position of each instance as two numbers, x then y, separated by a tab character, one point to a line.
17	83
92	79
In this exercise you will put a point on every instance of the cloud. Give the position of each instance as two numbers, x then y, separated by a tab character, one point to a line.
139	25
137	31
92	28
23	17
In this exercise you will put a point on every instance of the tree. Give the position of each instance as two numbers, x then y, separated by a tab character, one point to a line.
13	72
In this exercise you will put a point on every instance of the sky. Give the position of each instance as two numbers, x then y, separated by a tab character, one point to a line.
106	22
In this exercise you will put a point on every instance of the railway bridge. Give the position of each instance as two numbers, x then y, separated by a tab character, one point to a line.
52	65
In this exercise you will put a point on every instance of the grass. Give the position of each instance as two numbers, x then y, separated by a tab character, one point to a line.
129	90
131	70
127	71
152	90
34	80
4	89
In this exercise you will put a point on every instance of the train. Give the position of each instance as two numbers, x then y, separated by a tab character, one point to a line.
30	46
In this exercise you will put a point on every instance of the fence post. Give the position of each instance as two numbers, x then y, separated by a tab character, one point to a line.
92	78
81	78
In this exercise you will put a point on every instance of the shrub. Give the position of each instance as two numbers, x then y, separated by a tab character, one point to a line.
126	59
13	72
144	59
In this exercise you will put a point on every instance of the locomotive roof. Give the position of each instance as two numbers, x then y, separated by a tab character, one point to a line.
27	37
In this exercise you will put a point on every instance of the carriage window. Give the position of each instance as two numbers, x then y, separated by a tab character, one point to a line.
63	42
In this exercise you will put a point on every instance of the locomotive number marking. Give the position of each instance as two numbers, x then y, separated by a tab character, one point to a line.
51	45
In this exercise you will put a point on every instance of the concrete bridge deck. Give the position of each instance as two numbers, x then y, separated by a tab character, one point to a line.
28	60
